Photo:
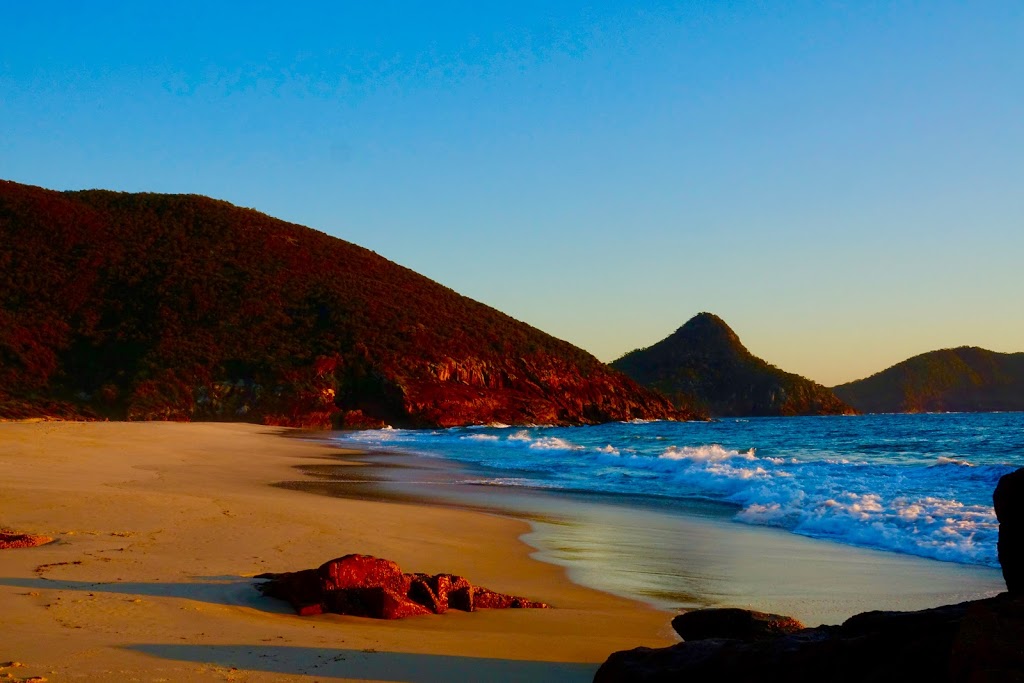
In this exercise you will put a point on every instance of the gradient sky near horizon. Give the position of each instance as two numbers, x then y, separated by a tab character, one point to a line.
842	182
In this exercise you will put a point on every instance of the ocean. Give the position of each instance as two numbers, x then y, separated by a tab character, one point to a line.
916	488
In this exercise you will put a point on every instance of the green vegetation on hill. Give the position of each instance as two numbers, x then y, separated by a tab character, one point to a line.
704	364
149	306
965	379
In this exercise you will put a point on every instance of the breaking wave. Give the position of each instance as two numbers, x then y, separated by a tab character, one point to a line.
919	485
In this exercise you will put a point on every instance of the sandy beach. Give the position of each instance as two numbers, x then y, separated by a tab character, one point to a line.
158	528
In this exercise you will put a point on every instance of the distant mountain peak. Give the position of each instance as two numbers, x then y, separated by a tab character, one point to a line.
704	363
964	379
707	328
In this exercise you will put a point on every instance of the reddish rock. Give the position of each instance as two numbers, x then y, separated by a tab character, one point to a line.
9	540
435	592
357	419
487	599
378	602
366	586
358	571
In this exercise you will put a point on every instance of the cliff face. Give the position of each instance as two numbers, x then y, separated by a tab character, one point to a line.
965	379
704	364
146	306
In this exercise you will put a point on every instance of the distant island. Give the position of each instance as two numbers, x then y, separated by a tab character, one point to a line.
704	364
965	379
179	307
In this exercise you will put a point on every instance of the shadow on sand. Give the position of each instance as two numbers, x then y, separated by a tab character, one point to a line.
218	590
327	662
368	664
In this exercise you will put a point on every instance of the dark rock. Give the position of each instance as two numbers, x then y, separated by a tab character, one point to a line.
990	643
436	592
1008	500
366	586
743	624
421	591
966	642
981	641
462	598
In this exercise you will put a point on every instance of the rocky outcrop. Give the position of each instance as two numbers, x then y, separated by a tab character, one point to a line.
974	642
965	379
703	364
366	586
10	540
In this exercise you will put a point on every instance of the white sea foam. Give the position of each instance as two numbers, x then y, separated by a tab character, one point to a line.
899	490
712	453
943	460
553	443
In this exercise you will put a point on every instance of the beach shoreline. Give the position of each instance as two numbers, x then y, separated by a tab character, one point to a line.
159	528
669	554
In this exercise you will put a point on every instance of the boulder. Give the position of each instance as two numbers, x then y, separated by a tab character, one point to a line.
965	642
730	622
1008	500
366	586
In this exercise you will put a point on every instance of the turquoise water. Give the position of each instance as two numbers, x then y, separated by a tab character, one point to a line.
912	484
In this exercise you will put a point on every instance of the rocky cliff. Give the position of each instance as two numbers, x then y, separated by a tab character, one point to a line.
965	379
704	364
148	306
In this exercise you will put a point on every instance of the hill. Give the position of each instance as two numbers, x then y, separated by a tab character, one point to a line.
704	364
149	306
965	379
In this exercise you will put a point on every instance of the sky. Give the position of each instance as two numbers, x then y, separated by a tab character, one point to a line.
841	182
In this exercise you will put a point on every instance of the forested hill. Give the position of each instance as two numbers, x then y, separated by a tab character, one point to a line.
965	379
704	364
149	306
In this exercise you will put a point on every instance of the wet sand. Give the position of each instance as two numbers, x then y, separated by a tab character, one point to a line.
673	554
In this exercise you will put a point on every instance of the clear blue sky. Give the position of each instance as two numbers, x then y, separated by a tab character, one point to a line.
842	182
